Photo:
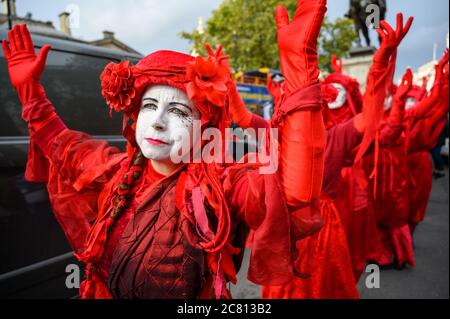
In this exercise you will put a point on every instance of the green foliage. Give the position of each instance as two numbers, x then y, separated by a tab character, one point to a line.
335	38
246	30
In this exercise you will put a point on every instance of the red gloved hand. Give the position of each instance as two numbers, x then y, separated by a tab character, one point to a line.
390	38
405	86
335	64
275	89
399	101
24	66
297	43
239	113
440	69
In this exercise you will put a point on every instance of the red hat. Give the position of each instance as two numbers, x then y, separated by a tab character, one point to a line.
354	96
204	80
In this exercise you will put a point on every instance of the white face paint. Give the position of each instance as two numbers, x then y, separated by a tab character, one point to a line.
165	122
388	102
410	102
340	99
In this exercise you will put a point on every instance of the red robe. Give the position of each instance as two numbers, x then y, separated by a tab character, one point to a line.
391	206
325	258
425	122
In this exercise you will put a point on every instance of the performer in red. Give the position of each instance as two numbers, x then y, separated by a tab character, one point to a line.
147	227
349	101
388	182
424	119
325	256
354	199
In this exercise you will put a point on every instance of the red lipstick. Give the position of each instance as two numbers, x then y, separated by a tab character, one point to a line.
154	141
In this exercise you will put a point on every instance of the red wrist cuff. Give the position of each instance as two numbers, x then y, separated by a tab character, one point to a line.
258	122
36	109
308	98
30	91
45	136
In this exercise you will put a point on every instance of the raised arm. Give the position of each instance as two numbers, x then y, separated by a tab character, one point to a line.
240	114
392	131
299	116
25	70
427	104
74	153
376	80
435	122
77	167
368	121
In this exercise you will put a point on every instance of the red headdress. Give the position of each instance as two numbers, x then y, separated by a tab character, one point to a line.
204	80
354	98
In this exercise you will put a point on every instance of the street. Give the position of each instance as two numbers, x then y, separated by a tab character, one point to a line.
428	280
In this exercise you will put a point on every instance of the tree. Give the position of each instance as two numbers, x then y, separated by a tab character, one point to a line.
335	38
246	30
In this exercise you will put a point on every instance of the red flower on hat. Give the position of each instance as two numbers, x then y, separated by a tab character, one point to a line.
208	78
117	86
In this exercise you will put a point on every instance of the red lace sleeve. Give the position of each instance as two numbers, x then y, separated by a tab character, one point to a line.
259	201
76	168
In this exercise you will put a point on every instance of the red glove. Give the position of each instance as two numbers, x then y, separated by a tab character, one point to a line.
335	64
297	43
239	113
25	70
399	99
377	82
440	82
390	38
303	135
24	66
441	76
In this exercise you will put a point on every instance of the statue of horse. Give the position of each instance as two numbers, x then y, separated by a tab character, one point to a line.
359	15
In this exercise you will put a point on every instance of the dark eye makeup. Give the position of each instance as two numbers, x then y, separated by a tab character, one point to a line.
150	103
151	106
178	112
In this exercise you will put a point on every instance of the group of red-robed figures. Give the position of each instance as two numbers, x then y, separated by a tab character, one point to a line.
377	177
338	201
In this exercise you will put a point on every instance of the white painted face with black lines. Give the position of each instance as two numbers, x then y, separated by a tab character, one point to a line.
340	99
165	122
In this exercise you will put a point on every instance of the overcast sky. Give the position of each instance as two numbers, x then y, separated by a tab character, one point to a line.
149	25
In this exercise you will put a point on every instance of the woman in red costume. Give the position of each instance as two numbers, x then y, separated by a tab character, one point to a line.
147	227
325	256
424	119
388	180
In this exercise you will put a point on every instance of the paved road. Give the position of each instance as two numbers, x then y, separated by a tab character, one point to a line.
430	277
